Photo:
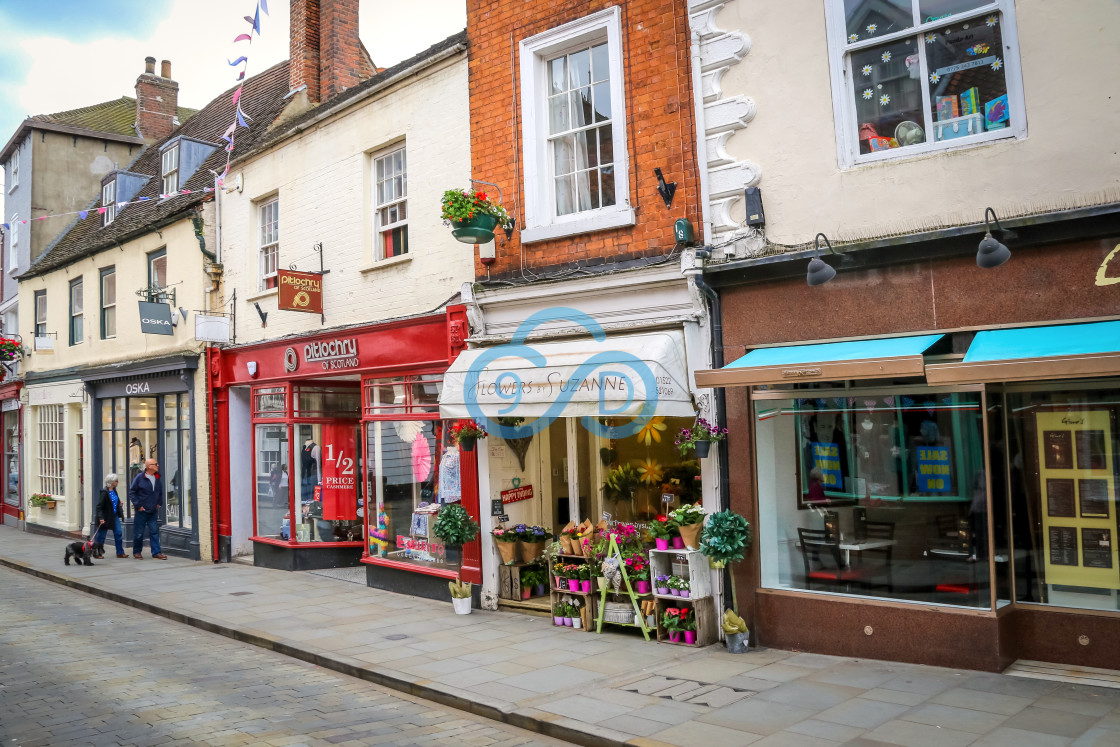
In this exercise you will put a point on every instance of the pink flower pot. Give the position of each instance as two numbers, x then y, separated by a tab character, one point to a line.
684	593
663	590
690	637
557	620
585	586
567	622
643	586
675	592
573	584
526	592
661	542
674	636
678	543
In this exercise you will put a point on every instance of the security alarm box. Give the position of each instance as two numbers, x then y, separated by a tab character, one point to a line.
755	216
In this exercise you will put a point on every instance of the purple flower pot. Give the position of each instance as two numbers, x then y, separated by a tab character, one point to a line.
663	590
540	590
684	593
674	636
557	620
585	586
675	592
690	637
643	586
573	584
678	543
567	622
661	542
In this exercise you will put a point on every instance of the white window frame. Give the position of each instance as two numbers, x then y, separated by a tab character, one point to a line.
14	170
109	202
269	250
52	448
169	169
104	274
378	227
541	220
843	77
77	312
13	254
39	319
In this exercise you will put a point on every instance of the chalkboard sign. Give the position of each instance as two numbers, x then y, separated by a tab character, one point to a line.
1063	546
1094	497
1059	449
496	507
1059	498
1096	546
1091	450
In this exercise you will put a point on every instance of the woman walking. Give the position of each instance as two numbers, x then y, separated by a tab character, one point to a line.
109	512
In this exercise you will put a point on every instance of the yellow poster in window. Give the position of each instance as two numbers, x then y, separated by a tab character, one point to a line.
1078	488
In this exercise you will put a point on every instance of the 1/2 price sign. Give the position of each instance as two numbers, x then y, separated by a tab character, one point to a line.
340	482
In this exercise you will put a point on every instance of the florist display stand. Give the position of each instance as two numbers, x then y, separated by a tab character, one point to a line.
557	595
614	552
700	599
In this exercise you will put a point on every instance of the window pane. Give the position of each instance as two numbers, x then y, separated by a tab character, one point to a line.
558	113
932	10
867	19
600	69
272	482
602	101
606	144
564	202
586	149
888	96
606	176
185	467
579	68
581	107
557	76
76	297
394	242
157	274
968	90
563	156
172	476
109	288
583	181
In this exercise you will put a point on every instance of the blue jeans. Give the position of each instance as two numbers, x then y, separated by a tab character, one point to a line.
140	520
118	535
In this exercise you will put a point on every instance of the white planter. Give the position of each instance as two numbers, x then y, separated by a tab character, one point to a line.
462	606
577	622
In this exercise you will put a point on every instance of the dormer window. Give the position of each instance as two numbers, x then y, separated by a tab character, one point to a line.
170	161
109	202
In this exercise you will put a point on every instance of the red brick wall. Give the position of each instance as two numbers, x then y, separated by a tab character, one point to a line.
660	128
155	117
303	47
323	46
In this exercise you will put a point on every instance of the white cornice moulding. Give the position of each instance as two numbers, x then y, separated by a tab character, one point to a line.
711	87
704	22
716	149
728	114
699	5
727	181
723	51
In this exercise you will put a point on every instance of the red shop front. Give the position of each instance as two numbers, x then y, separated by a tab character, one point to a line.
348	459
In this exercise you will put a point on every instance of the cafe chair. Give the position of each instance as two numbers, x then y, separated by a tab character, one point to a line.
950	550
820	543
882	530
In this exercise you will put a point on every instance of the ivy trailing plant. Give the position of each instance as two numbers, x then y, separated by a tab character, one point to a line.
726	539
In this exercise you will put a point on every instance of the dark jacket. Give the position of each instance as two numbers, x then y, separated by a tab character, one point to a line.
105	509
142	495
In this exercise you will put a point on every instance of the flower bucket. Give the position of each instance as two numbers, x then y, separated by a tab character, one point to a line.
684	593
577	546
662	543
585	586
675	592
737	643
530	551
690	535
567	622
508	551
678	543
577	623
540	590
642	586
573	584
674	636
462	606
557	620
566	543
526	592
690	637
702	449
476	230
466	443
663	590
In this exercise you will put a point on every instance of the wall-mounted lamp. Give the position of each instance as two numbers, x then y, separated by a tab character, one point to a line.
665	189
819	271
992	253
263	314
183	313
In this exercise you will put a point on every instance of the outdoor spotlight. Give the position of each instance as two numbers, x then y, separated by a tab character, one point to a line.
820	272
991	253
665	189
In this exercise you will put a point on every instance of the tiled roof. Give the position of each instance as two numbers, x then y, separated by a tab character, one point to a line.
262	100
117	117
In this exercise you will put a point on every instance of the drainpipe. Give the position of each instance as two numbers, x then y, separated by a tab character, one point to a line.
721	395
701	140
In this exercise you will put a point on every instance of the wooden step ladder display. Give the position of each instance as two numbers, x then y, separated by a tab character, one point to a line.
614	552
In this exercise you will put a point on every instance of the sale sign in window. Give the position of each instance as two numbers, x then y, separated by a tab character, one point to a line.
340	483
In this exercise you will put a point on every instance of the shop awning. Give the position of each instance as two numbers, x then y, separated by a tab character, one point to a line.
828	361
1027	353
574	378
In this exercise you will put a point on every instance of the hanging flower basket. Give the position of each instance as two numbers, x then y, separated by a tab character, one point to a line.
472	215
476	230
10	349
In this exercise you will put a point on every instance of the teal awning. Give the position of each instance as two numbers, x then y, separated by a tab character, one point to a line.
828	361
1025	353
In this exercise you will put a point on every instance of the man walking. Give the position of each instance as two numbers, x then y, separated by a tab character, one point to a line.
146	494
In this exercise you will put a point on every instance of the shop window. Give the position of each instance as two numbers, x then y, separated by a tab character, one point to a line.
875	493
175	467
1063	467
77	317
270	402
913	76
52	449
418	394
268	248
11	456
390	210
575	128
327	402
273	481
638	476
108	303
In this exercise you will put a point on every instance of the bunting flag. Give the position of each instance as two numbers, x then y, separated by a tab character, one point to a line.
83	214
241	119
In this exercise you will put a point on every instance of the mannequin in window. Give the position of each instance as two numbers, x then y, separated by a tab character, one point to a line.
309	469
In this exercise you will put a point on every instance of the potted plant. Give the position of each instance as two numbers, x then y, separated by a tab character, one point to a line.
735	632
674	586
568	538
671	621
638	570
567	615
558	614
506	540
472	215
559	572
466	433
460	596
571	572
661	530
688	627
43	500
575	606
621	482
683	588
726	539
661	584
533	539
454	527
528	582
690	522
10	349
699	438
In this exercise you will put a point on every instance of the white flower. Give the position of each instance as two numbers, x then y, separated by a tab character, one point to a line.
997	64
871	29
866	70
931	38
884	100
853	38
867	94
886	56
934	77
992	21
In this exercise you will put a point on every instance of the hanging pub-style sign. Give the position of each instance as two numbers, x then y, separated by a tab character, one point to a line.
300	291
155	318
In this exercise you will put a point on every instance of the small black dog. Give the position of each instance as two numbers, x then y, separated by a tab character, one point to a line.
82	552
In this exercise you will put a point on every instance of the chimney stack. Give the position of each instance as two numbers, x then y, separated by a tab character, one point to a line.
324	50
157	102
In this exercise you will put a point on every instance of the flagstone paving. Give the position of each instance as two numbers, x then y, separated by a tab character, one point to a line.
582	687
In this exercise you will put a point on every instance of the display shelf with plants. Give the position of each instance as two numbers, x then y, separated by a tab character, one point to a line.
689	568
682	616
571	581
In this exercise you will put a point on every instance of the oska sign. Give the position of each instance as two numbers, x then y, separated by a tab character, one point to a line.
300	291
155	319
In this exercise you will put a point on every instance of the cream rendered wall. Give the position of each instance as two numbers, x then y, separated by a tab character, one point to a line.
323	178
1070	156
70	395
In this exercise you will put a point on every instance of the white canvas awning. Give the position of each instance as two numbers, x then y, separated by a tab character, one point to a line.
615	377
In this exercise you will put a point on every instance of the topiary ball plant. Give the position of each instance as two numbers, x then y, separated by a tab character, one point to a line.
454	526
726	539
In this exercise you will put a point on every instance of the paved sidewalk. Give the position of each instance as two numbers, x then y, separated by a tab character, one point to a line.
585	688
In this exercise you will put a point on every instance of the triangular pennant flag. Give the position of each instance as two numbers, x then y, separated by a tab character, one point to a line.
237	95
101	211
143	199
241	75
238	61
242	37
119	206
82	214
182	192
256	27
5	226
44	217
264	6
241	121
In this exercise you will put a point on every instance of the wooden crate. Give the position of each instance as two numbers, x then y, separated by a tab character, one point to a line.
589	610
707	621
699	573
509	579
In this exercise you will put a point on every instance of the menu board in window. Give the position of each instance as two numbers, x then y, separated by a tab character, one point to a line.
1096	548
1094	498
1091	450
1058	449
1063	546
1059	498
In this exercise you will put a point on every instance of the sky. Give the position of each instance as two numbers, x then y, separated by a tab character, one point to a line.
65	54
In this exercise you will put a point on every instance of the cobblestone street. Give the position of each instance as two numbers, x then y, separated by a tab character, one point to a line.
78	670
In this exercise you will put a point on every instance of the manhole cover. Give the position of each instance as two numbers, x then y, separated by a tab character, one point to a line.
239	593
396	637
